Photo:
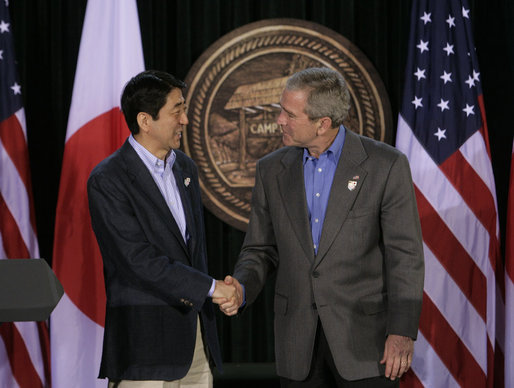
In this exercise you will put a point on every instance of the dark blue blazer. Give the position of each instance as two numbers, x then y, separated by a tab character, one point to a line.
156	284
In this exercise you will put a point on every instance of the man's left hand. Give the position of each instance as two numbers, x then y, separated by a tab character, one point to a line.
397	355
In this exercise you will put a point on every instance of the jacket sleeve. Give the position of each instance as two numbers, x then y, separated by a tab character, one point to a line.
131	258
403	251
258	256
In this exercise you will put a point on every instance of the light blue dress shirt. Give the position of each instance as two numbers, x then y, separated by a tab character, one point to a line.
318	174
162	174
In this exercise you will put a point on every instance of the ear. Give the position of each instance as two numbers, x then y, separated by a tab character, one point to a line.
143	120
324	125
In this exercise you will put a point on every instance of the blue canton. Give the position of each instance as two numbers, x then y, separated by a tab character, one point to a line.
443	83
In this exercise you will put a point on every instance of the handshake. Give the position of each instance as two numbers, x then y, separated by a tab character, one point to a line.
228	294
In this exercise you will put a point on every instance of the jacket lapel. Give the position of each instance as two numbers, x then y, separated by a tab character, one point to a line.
292	190
144	182
180	178
348	180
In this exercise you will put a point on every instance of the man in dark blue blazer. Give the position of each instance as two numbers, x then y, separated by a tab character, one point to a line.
147	215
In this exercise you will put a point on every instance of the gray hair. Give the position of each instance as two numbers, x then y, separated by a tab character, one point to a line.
327	90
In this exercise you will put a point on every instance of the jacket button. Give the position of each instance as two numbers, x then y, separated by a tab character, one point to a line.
315	274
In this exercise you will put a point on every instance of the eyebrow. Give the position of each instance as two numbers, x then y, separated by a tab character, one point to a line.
181	102
287	111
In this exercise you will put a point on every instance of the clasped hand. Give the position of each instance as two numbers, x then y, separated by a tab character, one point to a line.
228	294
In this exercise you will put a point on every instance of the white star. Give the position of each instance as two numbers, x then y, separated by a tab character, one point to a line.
448	49
440	134
417	102
1	54
475	75
422	46
470	81
426	17
6	3
443	105
450	21
465	13
16	88
446	77
469	110
420	73
4	27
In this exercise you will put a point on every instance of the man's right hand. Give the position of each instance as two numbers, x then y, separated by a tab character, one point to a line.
224	293
231	307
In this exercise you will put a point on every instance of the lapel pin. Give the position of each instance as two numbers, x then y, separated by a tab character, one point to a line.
352	185
187	181
356	177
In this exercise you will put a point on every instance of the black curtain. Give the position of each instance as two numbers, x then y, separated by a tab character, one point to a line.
175	33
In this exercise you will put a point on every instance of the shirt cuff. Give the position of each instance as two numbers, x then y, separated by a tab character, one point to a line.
213	286
244	295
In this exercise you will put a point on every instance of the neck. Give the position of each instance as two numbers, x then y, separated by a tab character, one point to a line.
325	141
158	153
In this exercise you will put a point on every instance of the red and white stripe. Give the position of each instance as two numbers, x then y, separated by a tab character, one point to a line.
509	283
24	357
110	54
457	206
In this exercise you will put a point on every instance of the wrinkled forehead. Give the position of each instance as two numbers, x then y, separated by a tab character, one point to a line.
294	101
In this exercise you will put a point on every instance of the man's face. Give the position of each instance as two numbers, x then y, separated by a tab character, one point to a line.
297	129
166	131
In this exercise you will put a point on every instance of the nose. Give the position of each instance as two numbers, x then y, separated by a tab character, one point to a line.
183	119
281	119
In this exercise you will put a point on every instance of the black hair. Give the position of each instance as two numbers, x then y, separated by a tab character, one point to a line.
147	92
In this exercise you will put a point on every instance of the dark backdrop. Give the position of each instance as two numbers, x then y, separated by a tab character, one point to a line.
175	33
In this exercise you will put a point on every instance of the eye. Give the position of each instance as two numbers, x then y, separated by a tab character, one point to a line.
180	110
290	115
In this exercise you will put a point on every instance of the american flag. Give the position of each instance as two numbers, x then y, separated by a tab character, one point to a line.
442	129
509	283
24	346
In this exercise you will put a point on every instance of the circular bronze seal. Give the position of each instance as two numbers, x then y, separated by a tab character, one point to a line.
233	95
